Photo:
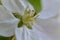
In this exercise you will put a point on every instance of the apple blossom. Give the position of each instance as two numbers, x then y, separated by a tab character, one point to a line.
45	27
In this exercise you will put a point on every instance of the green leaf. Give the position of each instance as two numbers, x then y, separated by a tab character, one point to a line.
0	2
36	4
4	38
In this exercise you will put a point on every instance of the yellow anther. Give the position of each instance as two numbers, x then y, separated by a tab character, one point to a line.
28	19
27	11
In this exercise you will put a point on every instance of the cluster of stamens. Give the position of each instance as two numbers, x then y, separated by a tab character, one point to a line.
27	19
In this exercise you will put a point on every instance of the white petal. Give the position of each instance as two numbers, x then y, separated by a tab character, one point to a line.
26	4
5	14
8	22
22	33
19	33
50	8
38	34
18	4
51	27
35	34
13	5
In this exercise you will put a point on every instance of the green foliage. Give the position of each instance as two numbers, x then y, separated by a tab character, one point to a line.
0	2
36	4
4	38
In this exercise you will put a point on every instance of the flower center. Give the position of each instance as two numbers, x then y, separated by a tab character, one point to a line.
27	19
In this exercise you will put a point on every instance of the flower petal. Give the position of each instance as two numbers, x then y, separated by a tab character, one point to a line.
16	5
51	27
19	33
50	8
13	5
8	22
26	4
22	33
38	34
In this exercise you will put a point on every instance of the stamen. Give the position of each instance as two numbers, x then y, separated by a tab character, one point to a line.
27	19
27	11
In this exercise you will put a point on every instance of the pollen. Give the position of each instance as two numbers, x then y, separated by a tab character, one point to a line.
28	20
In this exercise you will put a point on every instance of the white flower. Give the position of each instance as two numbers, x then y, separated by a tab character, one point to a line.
45	25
